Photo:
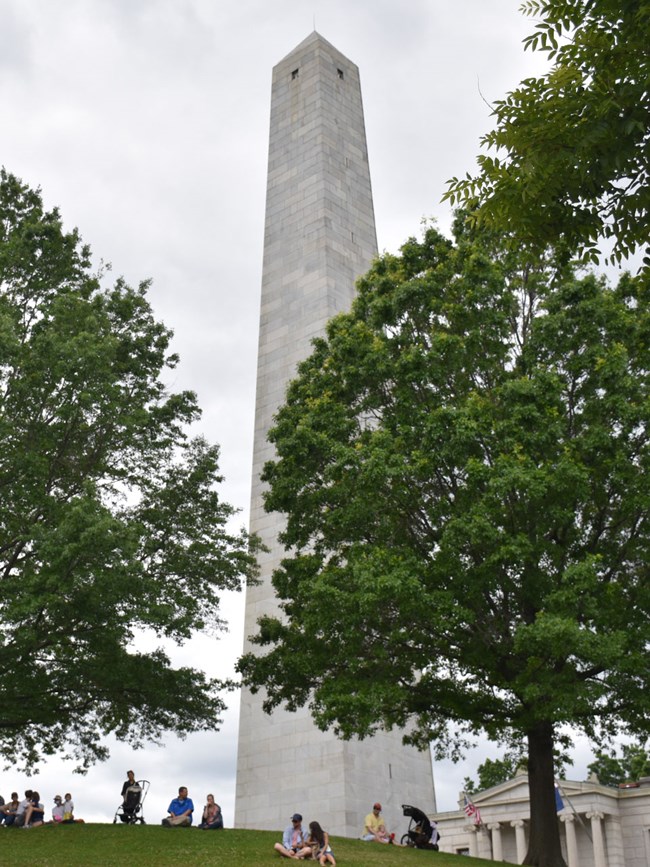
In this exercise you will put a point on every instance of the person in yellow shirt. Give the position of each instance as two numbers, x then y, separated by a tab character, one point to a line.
374	828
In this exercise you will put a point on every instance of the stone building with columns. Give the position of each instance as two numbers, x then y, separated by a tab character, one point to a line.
599	826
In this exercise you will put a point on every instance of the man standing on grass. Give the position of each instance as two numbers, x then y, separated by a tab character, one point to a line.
180	810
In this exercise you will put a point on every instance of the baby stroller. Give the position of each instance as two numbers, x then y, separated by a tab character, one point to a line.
130	810
422	833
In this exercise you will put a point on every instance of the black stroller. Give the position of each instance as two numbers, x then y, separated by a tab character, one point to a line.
130	810
422	833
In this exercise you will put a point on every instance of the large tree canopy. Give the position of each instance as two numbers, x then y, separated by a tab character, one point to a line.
109	517
463	465
570	152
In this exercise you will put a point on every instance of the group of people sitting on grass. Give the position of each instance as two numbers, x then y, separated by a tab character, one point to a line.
30	812
299	844
181	809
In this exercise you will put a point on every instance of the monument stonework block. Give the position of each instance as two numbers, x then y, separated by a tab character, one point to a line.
319	237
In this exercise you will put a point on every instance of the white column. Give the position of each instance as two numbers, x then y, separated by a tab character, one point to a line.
615	845
571	843
473	840
497	847
597	835
484	842
520	840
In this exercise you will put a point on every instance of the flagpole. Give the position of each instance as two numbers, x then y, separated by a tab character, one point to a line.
472	811
565	797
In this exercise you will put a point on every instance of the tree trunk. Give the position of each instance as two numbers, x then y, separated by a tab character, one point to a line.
544	842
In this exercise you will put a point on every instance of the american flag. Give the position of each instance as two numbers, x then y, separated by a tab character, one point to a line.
472	811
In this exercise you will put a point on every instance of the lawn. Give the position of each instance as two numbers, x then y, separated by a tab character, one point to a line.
154	846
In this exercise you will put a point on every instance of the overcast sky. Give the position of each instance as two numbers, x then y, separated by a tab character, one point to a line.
146	123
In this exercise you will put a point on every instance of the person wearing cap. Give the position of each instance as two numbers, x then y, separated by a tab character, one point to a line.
374	829
58	810
294	840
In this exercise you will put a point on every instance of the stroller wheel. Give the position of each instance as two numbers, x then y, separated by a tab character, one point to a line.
115	821
406	841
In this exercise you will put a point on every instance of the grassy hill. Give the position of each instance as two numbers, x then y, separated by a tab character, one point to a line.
154	846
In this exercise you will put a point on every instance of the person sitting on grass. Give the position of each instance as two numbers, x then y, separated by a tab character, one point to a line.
320	845
374	828
19	815
68	811
180	810
34	813
294	840
8	811
57	810
212	819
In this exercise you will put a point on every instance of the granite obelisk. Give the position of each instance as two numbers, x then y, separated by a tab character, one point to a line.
319	237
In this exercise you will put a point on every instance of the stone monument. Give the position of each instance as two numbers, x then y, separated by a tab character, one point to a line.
319	237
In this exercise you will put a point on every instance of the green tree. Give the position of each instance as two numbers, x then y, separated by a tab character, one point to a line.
633	764
571	149
492	772
110	522
463	465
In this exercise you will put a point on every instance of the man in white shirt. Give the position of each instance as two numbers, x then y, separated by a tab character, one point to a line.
294	840
58	809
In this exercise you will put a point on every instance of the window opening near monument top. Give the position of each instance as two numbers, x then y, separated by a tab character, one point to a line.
340	73
294	74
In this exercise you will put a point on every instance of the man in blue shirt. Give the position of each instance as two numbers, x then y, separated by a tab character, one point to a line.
180	810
